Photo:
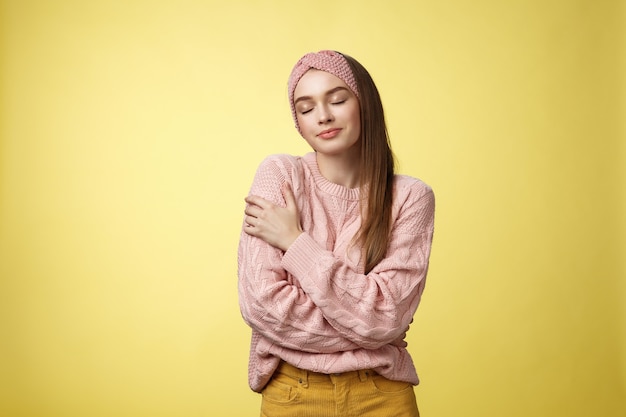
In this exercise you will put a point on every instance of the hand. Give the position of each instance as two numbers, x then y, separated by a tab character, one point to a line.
276	225
400	342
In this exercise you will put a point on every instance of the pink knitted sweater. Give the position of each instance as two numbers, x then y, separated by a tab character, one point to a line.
312	306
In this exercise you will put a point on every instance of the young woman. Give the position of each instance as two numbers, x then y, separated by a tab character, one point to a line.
333	256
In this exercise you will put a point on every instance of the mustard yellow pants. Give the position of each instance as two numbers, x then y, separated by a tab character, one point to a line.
294	392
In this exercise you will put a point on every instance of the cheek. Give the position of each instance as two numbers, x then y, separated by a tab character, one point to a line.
356	122
306	126
354	113
301	122
355	117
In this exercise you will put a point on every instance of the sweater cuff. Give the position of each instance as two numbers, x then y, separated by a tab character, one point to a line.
301	256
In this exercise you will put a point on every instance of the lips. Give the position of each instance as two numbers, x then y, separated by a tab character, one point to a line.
329	133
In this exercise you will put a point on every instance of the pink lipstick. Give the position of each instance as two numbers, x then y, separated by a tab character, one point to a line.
329	134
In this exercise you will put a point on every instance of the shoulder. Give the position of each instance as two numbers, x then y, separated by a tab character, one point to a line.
273	172
411	189
282	159
414	204
280	166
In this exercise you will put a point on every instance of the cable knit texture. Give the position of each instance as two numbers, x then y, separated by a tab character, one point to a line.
329	61
312	306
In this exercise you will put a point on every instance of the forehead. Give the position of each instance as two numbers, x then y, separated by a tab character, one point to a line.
317	82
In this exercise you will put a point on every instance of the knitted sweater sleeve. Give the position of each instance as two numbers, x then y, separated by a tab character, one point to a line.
271	302
371	309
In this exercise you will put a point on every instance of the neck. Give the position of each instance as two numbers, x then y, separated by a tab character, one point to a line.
343	170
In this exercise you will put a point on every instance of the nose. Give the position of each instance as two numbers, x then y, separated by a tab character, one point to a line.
325	115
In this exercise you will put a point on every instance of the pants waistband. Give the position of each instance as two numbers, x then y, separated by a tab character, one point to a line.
305	377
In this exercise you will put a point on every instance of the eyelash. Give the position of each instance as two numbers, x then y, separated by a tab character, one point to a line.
334	103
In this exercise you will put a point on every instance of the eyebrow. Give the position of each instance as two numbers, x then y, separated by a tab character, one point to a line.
328	93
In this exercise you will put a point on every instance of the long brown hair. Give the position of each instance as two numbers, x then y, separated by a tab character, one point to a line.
376	169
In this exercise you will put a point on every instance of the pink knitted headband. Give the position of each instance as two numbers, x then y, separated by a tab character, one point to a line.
329	61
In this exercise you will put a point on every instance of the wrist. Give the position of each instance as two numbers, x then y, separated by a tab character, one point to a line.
289	241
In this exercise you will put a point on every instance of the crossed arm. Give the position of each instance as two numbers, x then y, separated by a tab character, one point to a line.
303	297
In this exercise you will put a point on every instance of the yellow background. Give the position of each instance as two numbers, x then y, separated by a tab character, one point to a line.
130	132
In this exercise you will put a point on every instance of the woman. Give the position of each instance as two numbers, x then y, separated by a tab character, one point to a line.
333	256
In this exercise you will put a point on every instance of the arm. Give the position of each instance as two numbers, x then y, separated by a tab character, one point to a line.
374	309
271	301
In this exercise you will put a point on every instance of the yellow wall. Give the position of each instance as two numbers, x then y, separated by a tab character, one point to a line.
130	131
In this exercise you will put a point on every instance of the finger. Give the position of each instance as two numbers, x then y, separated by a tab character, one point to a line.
290	200
253	211
250	221
250	229
257	201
